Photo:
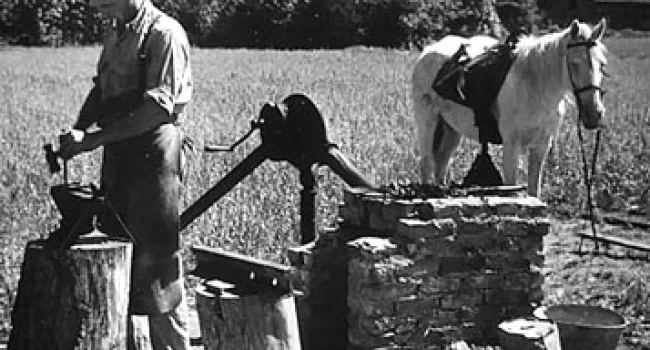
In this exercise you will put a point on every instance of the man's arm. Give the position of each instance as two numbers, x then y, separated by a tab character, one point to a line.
89	113
146	117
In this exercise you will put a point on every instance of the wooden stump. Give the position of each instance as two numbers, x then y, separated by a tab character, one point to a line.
244	320
75	298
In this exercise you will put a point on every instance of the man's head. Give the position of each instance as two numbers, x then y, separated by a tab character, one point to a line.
122	10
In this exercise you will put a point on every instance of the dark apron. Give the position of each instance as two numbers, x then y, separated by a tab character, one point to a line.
141	181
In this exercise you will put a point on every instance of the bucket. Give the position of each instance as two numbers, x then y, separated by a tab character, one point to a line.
584	327
528	334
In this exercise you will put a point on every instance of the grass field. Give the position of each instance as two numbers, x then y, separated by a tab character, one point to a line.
363	95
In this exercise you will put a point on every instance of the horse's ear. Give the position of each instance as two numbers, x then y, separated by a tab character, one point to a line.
574	29
599	30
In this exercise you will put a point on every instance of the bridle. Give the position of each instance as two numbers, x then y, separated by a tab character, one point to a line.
587	44
588	178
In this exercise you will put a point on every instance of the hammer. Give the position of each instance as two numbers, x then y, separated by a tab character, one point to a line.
52	162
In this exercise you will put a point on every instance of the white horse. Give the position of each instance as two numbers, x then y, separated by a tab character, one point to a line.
549	73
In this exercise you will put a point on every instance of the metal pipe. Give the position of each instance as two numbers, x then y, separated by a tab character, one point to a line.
307	205
344	168
259	155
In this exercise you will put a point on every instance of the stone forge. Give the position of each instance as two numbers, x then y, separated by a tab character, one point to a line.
420	273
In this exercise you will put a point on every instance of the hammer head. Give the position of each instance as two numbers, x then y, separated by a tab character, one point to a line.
51	158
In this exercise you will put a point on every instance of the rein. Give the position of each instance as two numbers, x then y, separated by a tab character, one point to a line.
588	179
588	176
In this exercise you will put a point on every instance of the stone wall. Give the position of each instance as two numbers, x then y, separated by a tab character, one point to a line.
419	273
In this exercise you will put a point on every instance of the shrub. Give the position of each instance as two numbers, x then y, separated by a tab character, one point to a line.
271	23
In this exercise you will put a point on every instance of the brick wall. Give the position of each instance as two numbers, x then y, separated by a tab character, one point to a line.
418	273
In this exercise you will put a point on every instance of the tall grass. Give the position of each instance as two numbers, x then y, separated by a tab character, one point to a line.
363	95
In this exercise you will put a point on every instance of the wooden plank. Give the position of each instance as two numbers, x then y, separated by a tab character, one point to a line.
241	270
623	2
608	239
621	218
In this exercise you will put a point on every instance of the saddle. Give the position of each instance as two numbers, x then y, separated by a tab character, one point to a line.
476	82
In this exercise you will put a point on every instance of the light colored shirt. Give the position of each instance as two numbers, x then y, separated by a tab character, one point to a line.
165	71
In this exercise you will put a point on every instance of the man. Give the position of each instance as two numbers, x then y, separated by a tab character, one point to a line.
142	85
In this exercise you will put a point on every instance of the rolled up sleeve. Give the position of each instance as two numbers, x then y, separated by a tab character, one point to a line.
169	74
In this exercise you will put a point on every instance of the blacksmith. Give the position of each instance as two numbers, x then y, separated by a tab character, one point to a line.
143	83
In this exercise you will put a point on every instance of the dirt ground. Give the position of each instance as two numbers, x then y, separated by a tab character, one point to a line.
610	277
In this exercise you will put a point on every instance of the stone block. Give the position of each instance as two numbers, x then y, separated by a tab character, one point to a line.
443	318
440	247
505	297
371	248
482	280
423	266
426	336
389	291
466	263
358	273
371	308
458	300
486	241
502	261
535	259
474	207
361	339
515	226
384	273
416	305
379	326
415	228
438	285
542	227
525	206
518	281
441	208
476	226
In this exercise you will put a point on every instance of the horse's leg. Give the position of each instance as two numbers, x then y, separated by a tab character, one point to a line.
536	159
445	143
427	119
511	153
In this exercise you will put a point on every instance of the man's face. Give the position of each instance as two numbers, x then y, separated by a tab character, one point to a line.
110	8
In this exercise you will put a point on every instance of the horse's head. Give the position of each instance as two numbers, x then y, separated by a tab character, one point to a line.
585	56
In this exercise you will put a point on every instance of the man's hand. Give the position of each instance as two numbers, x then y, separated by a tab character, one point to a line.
75	142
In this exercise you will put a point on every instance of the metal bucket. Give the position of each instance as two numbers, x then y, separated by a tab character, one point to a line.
584	327
528	334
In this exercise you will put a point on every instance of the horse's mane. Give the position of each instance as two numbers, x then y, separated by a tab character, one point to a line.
540	60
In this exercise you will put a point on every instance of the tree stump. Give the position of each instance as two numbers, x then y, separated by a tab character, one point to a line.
74	298
236	319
